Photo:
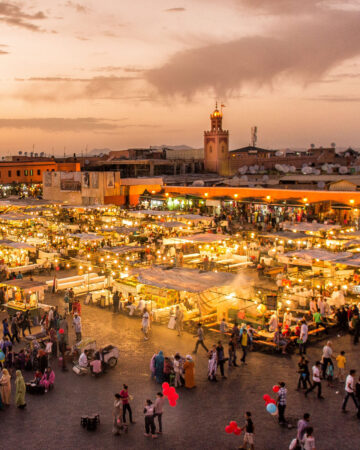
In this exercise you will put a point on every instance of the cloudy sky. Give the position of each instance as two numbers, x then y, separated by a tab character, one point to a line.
119	74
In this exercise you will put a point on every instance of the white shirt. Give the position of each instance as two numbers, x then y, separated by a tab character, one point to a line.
327	351
83	361
145	319
309	442
349	384
304	332
316	374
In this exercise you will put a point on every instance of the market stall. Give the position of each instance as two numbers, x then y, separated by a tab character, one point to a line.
24	295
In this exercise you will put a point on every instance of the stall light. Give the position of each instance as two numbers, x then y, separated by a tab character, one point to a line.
288	302
107	257
101	259
88	256
330	283
290	241
317	260
318	287
351	201
300	280
112	273
56	260
305	200
245	247
236	195
89	268
67	265
80	267
344	287
206	194
166	194
281	242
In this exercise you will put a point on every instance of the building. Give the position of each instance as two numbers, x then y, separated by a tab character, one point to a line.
31	170
216	145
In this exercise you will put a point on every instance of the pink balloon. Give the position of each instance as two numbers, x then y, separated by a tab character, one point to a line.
276	388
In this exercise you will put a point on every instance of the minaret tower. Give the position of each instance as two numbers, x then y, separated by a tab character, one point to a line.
216	144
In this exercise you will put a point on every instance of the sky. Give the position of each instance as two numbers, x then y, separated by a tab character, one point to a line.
78	74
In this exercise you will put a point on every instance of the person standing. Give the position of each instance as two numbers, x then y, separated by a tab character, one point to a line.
117	414
6	331
350	390
244	342
212	364
341	363
316	380
20	390
304	330
158	409
304	377
249	432
15	329
355	323
177	371
309	440
179	316
145	323
66	303
78	326
200	339
159	367
62	348
281	402
116	300
5	387
221	358
189	372
125	397
25	324
232	351
149	419
327	354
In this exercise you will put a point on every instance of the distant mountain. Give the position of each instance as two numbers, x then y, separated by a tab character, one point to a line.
171	147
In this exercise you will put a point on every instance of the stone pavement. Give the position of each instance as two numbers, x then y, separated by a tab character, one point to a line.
198	421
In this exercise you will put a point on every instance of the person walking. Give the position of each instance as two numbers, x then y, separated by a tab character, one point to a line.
149	419
179	381
78	326
26	324
212	364
249	432
341	363
304	330
316	380
200	339
179	317
281	403
62	349
159	367
308	442
304	377
66	303
326	357
116	300
158	409
125	397
117	414
350	390
145	323
302	425
20	390
355	324
221	360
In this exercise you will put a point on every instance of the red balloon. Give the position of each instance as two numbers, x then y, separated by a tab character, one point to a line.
233	425
237	431
228	429
172	390
165	385
272	401
172	403
276	388
266	397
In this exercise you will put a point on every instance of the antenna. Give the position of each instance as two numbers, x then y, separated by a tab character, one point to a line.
64	152
254	136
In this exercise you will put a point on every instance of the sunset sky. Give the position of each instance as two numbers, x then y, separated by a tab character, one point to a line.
120	73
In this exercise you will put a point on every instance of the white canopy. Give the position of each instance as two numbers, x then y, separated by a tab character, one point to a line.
19	245
87	236
306	226
203	238
188	280
321	255
194	217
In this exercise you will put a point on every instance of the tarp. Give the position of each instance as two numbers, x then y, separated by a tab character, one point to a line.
306	226
15	217
287	235
170	224
150	212
20	245
194	217
120	230
189	280
352	262
87	237
321	255
122	249
204	238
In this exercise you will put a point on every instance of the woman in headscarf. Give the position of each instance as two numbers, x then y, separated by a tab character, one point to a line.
212	364
189	372
159	367
5	387
20	390
117	413
48	379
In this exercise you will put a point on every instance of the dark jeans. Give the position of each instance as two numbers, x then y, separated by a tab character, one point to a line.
281	409
28	328
325	364
323	325
149	424
9	335
221	365
303	381
127	407
302	348
318	384
346	398
232	359
200	342
116	306
159	416
244	349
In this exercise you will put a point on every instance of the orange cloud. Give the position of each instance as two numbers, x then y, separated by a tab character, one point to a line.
13	15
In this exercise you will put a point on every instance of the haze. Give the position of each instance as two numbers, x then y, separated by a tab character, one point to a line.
121	74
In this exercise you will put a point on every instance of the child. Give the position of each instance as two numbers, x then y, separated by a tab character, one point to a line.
149	419
330	375
249	432
341	362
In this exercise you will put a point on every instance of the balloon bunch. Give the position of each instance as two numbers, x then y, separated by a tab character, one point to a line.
170	393
233	428
270	403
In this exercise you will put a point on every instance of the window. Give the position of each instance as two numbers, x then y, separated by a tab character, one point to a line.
9	173
26	173
52	170
18	173
31	172
210	149
39	172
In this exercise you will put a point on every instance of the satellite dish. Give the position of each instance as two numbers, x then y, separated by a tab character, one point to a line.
198	183
87	162
243	169
265	177
321	185
343	170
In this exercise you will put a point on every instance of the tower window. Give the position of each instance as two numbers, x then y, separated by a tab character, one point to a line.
26	172
210	149
39	172
9	173
18	173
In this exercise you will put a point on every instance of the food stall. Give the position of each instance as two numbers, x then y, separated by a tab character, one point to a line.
24	295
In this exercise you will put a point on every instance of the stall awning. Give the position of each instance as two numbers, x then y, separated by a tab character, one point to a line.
122	249
87	237
287	235
352	262
170	224
188	280
321	255
19	245
305	226
204	238
25	284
